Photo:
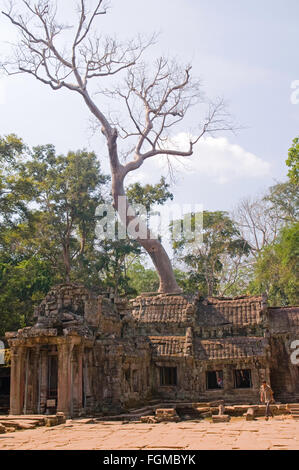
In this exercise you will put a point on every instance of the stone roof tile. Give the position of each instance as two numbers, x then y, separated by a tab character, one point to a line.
238	311
230	348
284	319
163	309
168	345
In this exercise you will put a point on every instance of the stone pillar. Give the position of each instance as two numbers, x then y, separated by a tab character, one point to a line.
228	379
35	395
27	373
255	376
64	402
77	380
17	380
87	374
43	381
31	398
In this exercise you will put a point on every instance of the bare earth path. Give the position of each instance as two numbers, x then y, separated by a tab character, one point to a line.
279	433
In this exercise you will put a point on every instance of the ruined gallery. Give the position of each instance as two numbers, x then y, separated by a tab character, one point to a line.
88	353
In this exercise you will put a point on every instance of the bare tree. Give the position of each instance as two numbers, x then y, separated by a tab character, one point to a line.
235	275
154	99
259	222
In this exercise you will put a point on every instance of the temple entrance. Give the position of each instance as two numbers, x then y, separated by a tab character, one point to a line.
4	378
52	390
4	389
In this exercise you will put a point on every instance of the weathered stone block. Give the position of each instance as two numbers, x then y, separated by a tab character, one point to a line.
61	419
250	414
51	421
207	414
221	418
167	414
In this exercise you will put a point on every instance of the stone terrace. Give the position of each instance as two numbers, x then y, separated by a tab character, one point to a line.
279	433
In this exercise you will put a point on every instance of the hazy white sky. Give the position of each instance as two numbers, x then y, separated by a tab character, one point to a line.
245	51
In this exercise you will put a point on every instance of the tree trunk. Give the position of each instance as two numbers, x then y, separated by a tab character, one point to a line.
153	247
67	262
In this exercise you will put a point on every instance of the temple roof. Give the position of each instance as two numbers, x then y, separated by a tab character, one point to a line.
214	311
164	309
284	319
225	348
168	345
230	348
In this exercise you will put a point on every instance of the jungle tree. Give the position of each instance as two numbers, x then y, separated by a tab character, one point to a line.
152	100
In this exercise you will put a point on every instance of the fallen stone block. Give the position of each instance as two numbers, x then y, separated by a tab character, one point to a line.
205	409
51	421
165	412
88	421
18	424
207	414
250	414
10	429
61	418
230	410
221	418
148	419
2	429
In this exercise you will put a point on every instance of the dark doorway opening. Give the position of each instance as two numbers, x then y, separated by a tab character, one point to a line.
168	376
52	380
243	378
214	379
4	390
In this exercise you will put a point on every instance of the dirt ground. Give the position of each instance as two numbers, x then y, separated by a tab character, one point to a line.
277	433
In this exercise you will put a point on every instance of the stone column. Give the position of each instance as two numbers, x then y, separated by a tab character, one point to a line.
17	380
34	381
228	379
27	387
43	381
77	379
88	370
64	402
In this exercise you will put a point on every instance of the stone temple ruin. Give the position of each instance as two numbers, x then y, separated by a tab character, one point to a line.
88	353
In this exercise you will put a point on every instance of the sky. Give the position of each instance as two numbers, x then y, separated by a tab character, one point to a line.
243	51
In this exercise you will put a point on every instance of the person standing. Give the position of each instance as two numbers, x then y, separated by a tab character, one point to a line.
267	398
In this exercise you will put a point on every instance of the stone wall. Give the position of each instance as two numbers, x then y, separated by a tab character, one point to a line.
113	355
283	327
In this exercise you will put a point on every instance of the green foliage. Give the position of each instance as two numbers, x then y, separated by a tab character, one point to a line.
293	162
11	147
284	201
47	229
67	190
276	270
23	284
14	193
206	259
142	279
48	235
149	194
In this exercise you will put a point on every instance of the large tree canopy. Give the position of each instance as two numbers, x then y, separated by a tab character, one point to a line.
276	270
151	99
47	226
293	162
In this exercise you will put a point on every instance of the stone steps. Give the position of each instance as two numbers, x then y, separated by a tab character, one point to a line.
21	422
294	410
13	423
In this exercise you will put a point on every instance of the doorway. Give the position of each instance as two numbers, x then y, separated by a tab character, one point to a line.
52	391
